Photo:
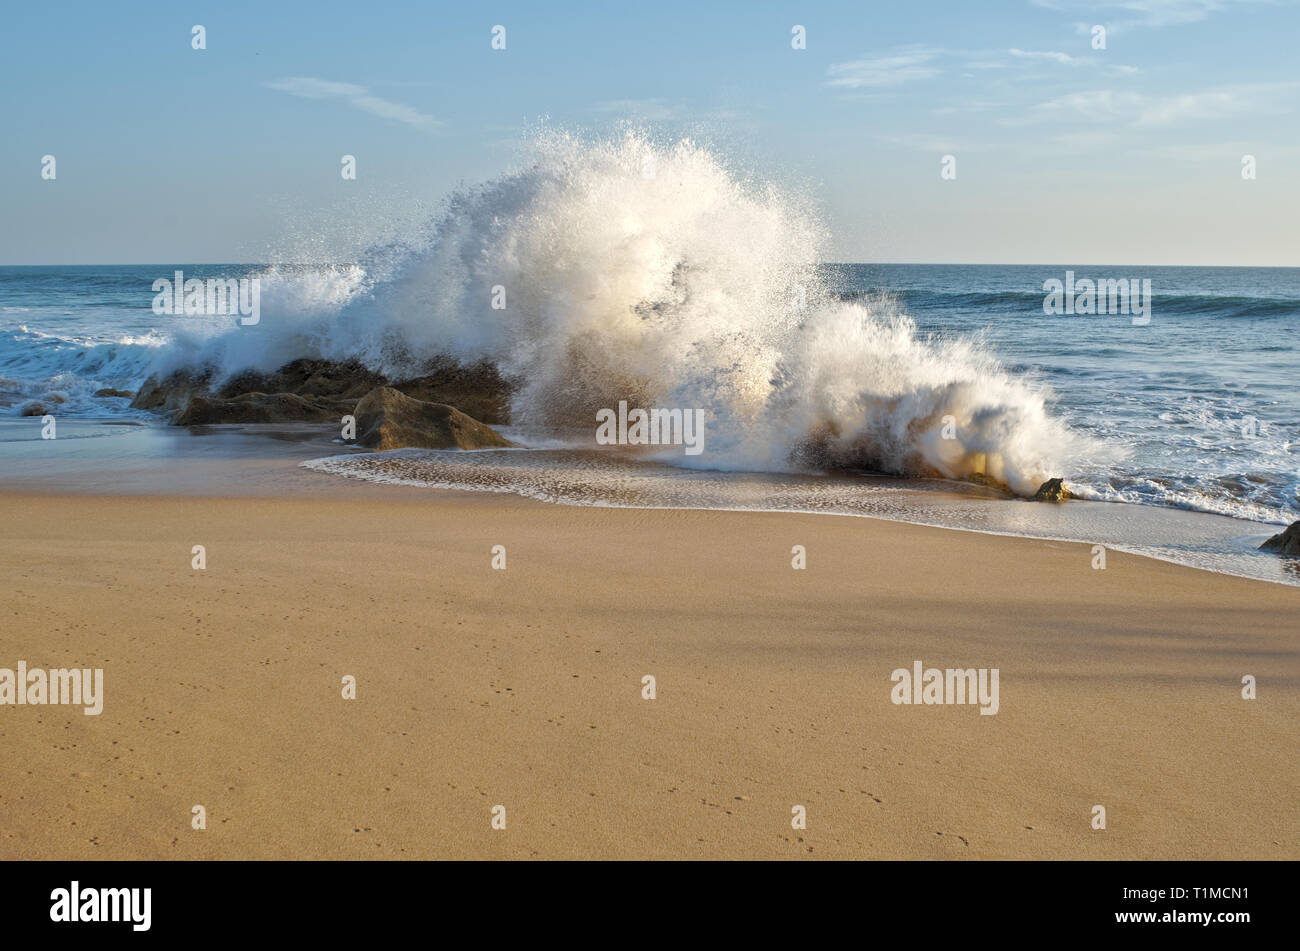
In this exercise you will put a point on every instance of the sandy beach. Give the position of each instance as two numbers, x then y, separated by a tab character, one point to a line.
478	687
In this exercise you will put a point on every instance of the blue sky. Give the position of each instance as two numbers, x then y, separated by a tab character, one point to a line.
1127	155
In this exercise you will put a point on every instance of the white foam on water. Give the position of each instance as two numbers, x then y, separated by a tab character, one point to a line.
652	272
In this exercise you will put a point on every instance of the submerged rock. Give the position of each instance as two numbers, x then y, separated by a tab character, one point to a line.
389	419
263	408
109	391
1285	542
1053	490
34	408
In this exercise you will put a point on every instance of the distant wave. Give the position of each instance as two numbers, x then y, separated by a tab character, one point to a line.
1030	302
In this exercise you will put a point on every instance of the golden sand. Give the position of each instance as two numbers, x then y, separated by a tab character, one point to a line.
523	688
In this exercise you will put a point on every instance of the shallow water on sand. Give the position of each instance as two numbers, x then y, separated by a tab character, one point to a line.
605	478
105	456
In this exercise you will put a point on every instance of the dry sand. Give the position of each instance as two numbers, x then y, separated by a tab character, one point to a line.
522	687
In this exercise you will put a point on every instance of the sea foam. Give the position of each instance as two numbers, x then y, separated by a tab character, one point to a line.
647	271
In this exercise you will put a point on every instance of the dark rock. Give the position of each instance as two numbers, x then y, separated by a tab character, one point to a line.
172	394
1053	490
1285	542
34	408
389	419
306	377
109	391
476	390
263	408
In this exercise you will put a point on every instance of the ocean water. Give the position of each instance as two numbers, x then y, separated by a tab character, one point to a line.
587	281
1203	402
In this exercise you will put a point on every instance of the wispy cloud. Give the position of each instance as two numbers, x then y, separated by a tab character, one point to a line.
915	63
1138	109
1065	59
884	71
1146	13
1029	57
359	97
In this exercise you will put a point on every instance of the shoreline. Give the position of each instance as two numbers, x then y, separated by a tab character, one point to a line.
286	460
851	515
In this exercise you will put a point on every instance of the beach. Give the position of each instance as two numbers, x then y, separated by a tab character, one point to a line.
727	551
522	687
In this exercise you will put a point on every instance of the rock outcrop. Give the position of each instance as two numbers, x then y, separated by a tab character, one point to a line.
1285	542
172	393
263	408
344	381
476	390
389	419
109	391
1053	490
189	396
